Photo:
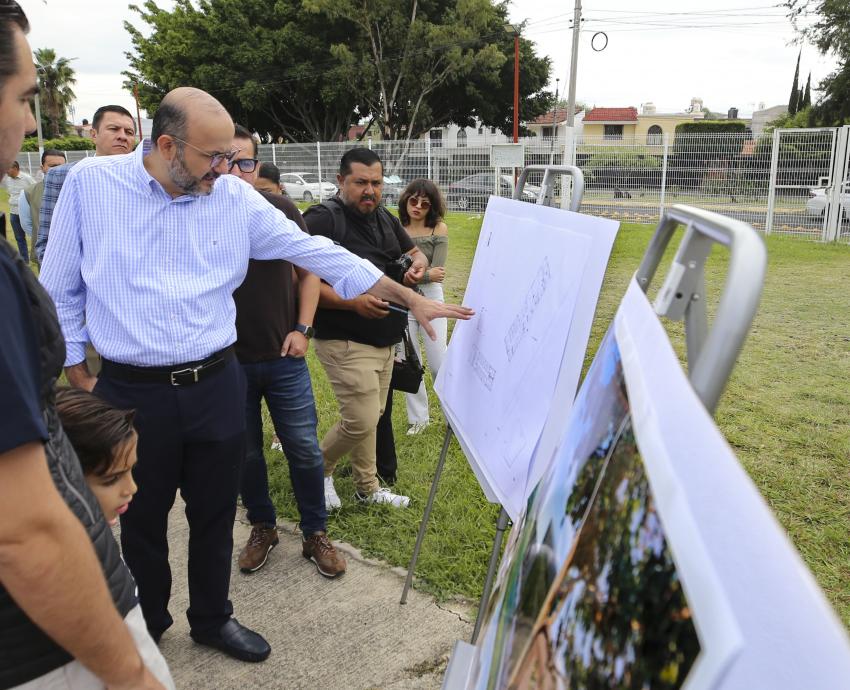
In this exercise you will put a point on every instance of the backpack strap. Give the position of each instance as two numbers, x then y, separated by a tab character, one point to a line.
338	215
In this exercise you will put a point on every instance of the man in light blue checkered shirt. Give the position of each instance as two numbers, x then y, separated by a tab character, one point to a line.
145	252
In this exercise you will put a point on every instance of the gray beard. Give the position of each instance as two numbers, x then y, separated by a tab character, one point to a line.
183	179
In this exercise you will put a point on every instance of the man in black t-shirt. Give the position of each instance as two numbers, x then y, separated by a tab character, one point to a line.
272	336
355	338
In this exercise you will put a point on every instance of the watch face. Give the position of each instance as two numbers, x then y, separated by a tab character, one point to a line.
306	330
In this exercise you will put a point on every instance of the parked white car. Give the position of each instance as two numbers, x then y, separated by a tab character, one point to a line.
817	203
306	186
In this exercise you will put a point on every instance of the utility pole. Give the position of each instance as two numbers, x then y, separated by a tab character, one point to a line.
38	125
138	111
571	101
516	86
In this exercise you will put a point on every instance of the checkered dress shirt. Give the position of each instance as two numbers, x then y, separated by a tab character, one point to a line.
149	278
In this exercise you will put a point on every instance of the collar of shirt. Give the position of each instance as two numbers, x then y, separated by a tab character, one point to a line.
147	181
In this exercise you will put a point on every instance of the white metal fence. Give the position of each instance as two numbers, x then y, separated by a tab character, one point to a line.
794	182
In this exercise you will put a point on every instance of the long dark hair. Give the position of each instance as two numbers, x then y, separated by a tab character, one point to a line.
94	427
422	187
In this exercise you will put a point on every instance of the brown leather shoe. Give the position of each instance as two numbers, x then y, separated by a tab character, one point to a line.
256	552
318	548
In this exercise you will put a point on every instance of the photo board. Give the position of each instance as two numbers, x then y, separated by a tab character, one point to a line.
534	284
645	556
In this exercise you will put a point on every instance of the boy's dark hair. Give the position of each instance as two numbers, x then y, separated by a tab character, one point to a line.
11	15
245	133
94	427
102	110
426	188
269	171
15	164
52	152
361	155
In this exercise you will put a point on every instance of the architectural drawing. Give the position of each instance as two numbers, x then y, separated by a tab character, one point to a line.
521	323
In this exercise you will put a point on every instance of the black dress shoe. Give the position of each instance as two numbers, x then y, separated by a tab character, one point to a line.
237	641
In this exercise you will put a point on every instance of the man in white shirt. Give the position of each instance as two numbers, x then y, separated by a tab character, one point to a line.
15	183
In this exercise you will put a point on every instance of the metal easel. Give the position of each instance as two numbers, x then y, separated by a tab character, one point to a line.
711	355
502	522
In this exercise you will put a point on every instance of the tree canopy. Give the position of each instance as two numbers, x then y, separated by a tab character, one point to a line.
826	24
55	79
308	69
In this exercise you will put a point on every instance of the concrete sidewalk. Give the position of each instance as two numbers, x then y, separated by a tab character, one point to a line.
346	633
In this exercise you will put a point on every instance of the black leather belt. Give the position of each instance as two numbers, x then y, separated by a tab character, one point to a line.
176	375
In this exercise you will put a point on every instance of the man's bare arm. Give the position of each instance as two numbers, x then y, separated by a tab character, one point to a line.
366	305
48	565
424	309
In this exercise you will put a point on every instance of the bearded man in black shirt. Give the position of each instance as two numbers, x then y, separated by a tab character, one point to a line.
355	338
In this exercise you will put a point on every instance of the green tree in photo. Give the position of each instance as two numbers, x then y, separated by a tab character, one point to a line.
55	79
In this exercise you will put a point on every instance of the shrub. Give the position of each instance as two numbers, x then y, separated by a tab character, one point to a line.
712	127
61	144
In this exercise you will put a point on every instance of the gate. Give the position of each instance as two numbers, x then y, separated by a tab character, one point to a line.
808	193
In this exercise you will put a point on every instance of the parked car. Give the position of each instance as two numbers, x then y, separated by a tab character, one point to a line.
306	186
817	203
393	187
471	192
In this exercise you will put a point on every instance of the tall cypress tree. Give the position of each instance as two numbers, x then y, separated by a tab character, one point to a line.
807	94
794	100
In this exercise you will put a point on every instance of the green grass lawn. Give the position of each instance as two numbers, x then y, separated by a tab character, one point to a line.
785	413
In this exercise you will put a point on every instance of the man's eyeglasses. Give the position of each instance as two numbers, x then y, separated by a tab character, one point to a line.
419	202
246	165
216	159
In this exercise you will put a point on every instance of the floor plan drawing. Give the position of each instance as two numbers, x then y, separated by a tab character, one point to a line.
520	325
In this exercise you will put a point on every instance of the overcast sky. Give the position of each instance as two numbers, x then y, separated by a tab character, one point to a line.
728	52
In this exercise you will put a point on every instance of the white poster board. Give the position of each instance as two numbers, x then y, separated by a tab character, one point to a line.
534	283
646	556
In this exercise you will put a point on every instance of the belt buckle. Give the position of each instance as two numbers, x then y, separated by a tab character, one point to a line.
188	370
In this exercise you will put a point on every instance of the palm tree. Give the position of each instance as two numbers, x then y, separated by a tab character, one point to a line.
55	76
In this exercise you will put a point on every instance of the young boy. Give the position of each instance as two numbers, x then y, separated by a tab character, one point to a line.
105	442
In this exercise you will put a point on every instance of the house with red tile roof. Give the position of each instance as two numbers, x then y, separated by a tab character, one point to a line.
627	126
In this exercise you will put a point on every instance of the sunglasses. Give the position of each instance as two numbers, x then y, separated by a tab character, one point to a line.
419	202
246	165
216	159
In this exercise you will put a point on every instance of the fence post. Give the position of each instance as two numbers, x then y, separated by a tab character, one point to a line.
428	151
370	143
665	141
274	153
319	165
771	188
569	158
834	210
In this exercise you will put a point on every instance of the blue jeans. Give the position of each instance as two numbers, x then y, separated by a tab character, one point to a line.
20	236
285	384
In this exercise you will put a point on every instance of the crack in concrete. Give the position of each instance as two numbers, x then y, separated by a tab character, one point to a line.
448	610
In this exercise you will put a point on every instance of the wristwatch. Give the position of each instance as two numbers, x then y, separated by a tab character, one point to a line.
306	331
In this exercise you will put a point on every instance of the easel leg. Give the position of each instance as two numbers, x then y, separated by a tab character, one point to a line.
501	526
423	526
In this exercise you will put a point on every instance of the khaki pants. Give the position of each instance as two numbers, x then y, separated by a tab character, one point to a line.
360	376
75	676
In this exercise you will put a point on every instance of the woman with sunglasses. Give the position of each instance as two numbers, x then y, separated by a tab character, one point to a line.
421	209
